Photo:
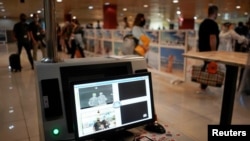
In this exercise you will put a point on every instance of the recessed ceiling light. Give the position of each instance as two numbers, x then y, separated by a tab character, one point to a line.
245	13
11	127
237	7
11	110
3	10
125	9
178	12
175	1
107	3
74	17
58	0
91	7
145	5
39	11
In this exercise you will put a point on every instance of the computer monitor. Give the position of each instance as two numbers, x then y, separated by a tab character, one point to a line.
85	72
109	105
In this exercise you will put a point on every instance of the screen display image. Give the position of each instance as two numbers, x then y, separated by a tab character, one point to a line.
102	106
86	72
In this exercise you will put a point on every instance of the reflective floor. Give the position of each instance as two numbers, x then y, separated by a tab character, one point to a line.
178	107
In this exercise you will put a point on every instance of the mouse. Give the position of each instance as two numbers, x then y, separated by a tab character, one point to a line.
156	128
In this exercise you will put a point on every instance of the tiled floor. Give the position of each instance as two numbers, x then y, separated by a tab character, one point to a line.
178	107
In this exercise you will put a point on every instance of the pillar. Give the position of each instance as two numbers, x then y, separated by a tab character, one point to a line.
110	16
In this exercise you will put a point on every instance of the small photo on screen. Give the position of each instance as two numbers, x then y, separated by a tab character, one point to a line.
97	119
132	89
95	96
130	114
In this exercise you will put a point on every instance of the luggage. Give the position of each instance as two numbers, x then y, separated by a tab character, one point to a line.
14	62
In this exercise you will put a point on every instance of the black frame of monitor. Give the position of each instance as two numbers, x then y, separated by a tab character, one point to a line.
149	102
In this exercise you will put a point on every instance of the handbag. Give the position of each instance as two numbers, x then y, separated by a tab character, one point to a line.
142	49
211	76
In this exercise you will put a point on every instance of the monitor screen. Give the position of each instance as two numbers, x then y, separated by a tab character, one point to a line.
102	106
85	72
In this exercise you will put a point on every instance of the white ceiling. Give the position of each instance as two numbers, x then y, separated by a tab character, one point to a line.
159	9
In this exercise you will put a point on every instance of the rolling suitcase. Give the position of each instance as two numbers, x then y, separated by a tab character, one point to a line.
15	64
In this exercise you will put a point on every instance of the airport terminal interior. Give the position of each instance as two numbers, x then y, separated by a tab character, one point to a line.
184	113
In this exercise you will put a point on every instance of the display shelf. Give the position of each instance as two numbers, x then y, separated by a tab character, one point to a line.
165	50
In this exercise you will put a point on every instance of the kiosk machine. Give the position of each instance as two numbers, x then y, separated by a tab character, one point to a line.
54	108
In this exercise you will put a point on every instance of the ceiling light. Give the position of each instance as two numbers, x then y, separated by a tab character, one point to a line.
125	9
107	3
245	13
11	127
58	0
1	3
145	5
74	17
237	7
91	7
3	10
39	11
195	17
178	12
175	1
11	110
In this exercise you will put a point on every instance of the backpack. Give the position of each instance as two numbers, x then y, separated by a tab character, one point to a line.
129	44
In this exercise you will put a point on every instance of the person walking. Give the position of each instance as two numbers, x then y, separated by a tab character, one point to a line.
228	36
76	39
21	33
139	33
37	35
241	29
208	37
58	37
67	31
